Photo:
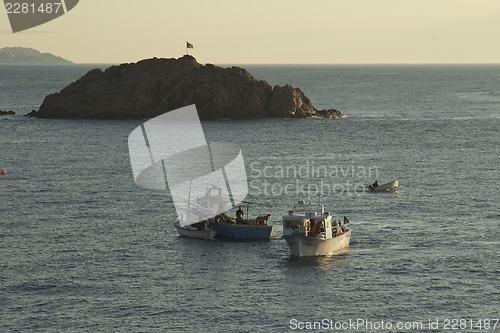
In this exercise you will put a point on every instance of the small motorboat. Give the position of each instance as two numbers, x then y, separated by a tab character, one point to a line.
201	230
387	187
309	231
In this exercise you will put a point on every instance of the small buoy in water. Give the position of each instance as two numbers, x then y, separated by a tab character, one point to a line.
3	172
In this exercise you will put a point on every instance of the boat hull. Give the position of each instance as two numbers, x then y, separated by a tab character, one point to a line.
386	187
244	231
193	233
304	246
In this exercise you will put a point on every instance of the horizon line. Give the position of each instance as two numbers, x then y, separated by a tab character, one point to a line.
271	64
297	64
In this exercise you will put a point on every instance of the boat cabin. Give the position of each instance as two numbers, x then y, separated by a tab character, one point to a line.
309	220
211	204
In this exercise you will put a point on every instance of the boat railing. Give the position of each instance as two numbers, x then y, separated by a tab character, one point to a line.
306	208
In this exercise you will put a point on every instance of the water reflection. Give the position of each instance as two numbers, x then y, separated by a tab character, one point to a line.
324	263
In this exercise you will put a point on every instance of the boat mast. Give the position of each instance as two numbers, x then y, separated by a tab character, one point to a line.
189	202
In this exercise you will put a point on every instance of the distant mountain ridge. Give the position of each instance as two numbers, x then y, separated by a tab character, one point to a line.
24	55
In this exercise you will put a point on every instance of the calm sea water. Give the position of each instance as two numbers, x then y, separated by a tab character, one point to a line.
83	249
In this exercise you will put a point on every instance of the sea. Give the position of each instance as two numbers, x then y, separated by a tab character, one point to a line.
84	249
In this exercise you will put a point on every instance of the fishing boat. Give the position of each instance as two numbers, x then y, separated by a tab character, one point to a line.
244	230
200	230
309	231
198	221
238	228
387	187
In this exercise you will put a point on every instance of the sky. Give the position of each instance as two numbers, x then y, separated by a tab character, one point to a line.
271	31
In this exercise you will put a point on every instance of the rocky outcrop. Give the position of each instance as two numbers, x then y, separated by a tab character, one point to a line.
7	113
151	87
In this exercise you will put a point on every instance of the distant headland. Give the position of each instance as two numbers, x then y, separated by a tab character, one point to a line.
151	87
23	55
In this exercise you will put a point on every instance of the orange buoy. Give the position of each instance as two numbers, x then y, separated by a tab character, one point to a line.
3	172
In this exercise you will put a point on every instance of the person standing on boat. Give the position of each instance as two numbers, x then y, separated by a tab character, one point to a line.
239	214
313	223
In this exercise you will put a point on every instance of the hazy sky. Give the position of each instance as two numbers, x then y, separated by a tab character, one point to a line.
271	31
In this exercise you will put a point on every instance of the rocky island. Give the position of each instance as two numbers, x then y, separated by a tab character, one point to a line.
24	56
151	87
7	113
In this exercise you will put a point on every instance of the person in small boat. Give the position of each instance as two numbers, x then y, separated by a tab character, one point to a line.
239	214
375	184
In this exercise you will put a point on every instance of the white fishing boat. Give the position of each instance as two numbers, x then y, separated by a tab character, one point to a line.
387	187
309	231
201	230
198	221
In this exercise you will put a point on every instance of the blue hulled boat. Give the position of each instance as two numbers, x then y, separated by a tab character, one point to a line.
244	230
